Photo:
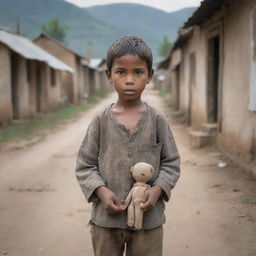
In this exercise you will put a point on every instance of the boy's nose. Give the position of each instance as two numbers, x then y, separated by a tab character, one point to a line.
129	79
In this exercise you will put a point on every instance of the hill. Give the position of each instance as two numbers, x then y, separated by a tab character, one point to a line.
32	13
99	24
150	23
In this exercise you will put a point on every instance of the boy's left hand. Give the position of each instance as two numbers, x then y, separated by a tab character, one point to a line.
151	198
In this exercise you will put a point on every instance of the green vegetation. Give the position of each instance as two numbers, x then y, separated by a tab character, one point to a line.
40	126
164	47
170	104
55	29
248	201
163	93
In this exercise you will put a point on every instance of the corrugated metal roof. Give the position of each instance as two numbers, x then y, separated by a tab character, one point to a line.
164	64
59	43
205	11
201	14
29	50
95	62
85	63
184	35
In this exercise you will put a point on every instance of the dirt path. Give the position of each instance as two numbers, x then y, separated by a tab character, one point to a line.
43	211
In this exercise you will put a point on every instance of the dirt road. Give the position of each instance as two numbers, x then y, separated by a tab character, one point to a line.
43	211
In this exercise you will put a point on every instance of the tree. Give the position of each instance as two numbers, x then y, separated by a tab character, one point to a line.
164	47
55	29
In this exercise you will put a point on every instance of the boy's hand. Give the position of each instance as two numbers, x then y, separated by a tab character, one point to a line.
110	202
151	198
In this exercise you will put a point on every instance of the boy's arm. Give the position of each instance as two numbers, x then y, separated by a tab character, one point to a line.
169	170
87	170
110	201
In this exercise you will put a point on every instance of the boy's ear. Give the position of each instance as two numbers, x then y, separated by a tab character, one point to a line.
150	75
108	75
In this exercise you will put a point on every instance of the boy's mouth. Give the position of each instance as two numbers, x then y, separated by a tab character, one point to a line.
129	91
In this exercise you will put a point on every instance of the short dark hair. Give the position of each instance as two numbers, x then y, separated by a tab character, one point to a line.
129	45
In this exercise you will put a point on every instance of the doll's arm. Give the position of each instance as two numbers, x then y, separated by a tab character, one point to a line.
128	199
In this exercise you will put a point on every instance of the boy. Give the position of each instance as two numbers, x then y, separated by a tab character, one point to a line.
127	132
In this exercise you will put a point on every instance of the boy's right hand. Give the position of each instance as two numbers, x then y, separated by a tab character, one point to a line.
110	202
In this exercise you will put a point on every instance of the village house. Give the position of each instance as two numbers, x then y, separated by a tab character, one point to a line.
213	65
75	86
94	75
29	78
162	77
89	79
101	82
105	85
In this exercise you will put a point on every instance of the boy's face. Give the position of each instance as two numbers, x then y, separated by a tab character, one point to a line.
129	75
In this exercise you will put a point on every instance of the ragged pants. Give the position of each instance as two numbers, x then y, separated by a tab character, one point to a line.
114	242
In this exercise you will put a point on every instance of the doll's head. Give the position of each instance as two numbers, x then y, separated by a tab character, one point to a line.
142	172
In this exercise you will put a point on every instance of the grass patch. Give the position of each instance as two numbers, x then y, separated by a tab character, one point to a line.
163	93
102	94
170	104
39	126
26	130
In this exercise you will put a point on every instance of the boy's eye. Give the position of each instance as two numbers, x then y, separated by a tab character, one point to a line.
138	72
120	72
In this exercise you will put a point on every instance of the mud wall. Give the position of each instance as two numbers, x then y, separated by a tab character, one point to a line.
238	126
70	82
192	94
53	88
5	85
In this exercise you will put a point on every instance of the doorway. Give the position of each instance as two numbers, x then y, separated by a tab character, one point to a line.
213	79
38	87
192	83
177	88
92	89
14	85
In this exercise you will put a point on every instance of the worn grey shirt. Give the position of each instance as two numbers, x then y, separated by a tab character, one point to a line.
107	153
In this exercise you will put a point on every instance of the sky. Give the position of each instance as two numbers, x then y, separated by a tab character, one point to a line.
166	5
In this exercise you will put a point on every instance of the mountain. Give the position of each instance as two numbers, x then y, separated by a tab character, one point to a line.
99	24
149	23
32	13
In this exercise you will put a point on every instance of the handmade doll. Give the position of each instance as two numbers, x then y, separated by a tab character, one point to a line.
142	173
